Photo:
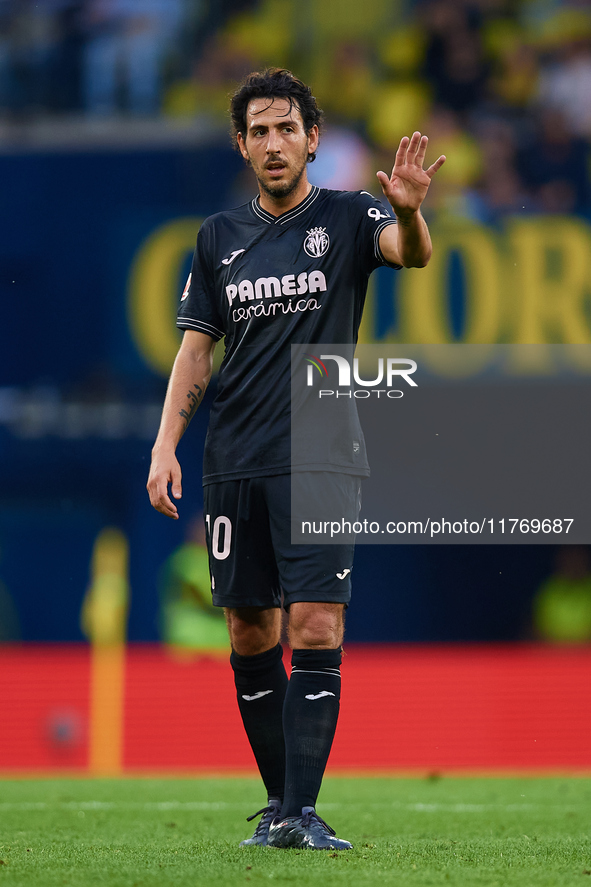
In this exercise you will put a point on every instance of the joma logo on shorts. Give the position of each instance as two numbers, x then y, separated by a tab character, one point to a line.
268	287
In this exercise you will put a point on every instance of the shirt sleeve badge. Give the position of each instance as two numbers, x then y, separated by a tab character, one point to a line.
187	288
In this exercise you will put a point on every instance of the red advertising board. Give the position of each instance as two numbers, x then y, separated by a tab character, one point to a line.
474	708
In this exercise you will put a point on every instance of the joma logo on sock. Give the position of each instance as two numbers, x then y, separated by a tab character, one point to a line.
319	695
257	695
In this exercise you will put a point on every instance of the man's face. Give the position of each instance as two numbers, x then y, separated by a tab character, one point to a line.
276	145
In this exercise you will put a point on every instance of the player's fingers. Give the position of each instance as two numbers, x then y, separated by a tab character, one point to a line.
435	166
176	487
167	507
413	147
162	503
383	180
421	151
402	149
158	493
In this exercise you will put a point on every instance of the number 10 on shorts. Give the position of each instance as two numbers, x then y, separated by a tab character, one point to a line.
221	533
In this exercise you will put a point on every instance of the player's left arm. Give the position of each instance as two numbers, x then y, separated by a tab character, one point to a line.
408	243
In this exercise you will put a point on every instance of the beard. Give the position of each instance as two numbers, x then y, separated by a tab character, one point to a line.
282	189
279	190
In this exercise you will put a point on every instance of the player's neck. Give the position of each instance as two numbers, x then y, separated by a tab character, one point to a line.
276	206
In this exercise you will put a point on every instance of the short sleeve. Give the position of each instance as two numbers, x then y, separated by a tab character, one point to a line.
371	217
198	310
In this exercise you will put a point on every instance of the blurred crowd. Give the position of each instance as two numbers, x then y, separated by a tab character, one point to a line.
101	57
502	87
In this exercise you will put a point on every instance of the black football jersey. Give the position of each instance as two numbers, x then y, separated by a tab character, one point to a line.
265	283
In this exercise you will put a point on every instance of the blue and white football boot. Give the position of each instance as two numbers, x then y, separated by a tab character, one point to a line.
261	832
305	831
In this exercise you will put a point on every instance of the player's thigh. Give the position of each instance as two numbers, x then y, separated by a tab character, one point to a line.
241	559
317	573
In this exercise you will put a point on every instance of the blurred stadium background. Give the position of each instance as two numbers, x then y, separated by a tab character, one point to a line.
113	146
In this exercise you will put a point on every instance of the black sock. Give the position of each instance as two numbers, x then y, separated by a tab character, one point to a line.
261	683
310	716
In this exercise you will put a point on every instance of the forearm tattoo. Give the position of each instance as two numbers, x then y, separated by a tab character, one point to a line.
194	398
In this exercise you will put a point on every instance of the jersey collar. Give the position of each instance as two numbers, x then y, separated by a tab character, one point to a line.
288	216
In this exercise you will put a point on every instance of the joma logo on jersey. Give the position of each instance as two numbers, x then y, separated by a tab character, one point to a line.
268	287
317	242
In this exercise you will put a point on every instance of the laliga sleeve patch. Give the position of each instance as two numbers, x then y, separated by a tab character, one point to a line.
187	288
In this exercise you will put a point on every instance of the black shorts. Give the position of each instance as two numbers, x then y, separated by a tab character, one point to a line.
251	558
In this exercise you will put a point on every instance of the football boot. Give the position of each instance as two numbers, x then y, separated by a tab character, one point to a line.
261	832
305	831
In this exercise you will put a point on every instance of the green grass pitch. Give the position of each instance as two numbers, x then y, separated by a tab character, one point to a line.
161	832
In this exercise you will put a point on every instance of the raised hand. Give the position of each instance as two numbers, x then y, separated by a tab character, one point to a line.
406	188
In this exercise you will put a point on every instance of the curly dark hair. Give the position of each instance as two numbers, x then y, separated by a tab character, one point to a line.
274	83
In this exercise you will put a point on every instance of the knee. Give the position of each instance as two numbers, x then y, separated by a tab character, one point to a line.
252	631
316	626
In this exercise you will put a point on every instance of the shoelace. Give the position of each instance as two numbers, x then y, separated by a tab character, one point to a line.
310	815
268	814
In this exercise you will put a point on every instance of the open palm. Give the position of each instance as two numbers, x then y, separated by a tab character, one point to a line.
406	188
